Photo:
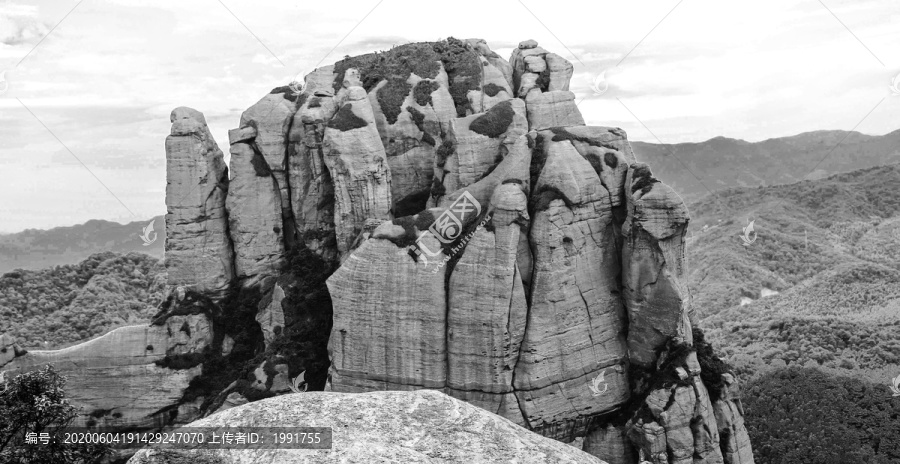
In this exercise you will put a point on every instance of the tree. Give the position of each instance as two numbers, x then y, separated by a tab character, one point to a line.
35	402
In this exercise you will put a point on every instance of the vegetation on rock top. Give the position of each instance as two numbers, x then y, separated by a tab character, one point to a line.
495	121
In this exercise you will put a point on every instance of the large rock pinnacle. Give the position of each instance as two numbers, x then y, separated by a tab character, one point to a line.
198	249
481	240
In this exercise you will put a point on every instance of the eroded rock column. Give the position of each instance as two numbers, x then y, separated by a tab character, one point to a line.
198	248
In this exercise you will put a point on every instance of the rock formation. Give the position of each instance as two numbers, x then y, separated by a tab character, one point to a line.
422	426
198	249
121	379
477	238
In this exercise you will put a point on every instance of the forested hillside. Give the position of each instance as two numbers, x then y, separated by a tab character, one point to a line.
820	285
64	305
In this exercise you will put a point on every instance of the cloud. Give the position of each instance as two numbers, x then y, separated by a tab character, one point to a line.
19	24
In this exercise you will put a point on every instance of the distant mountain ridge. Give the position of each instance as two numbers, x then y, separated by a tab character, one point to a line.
38	249
723	162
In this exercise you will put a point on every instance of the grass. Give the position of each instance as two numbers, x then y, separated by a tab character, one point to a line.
345	120
495	121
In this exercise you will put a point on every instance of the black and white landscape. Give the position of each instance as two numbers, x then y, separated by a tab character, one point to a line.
662	233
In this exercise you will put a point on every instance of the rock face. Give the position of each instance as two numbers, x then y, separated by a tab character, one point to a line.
198	249
545	285
477	238
421	426
120	379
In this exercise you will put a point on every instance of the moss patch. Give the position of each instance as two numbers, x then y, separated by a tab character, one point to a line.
642	179
543	80
286	92
260	166
398	62
492	89
437	187
611	160
464	69
345	120
411	204
538	158
391	97
422	91
547	194
412	225
495	121
443	152
560	134
418	119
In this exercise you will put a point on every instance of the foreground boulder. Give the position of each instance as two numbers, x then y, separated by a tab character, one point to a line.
422	426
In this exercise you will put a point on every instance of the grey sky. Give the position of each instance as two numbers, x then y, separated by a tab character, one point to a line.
106	78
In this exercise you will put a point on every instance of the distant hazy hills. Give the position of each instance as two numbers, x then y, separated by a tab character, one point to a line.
39	249
820	285
722	162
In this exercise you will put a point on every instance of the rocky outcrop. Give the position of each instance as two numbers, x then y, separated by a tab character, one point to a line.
484	243
128	377
311	186
254	214
654	281
559	282
358	165
198	249
422	426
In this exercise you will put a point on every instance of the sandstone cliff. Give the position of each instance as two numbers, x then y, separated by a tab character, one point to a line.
477	238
